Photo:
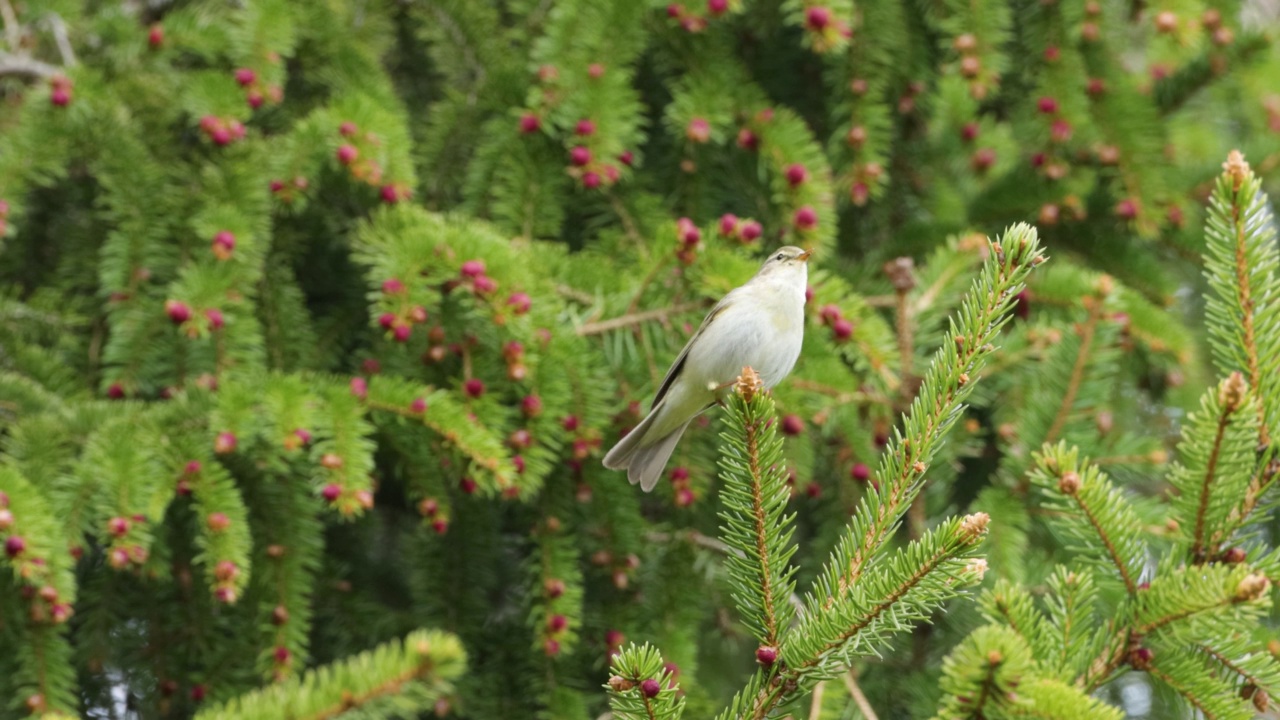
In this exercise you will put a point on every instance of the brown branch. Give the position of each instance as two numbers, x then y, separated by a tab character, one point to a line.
815	705
59	30
1106	541
645	283
841	397
916	518
1228	664
18	65
575	294
12	31
1124	460
637	318
1106	663
875	612
1077	373
1258	486
762	550
1184	692
1183	615
628	224
1246	305
987	682
390	686
859	699
1197	548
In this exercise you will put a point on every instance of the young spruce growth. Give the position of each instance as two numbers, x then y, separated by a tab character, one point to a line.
868	592
1185	607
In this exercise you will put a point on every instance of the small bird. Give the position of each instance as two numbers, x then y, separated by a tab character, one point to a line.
760	324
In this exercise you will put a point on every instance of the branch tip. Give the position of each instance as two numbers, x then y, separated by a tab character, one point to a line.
974	526
1236	168
1252	587
748	384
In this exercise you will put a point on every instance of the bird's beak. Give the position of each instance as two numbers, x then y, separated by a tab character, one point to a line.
804	256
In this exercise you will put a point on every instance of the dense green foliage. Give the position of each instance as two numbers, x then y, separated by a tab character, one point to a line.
316	318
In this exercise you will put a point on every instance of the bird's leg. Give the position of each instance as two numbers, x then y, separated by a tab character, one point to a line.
719	390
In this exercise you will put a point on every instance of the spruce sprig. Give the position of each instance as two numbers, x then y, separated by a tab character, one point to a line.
1091	512
861	598
640	687
414	672
1243	308
1219	452
755	520
949	380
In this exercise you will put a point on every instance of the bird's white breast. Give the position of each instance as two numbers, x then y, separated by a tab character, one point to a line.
763	326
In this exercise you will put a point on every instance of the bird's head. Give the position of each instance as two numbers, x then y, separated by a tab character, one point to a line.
787	260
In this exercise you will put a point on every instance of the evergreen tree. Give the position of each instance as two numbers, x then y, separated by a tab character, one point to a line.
316	318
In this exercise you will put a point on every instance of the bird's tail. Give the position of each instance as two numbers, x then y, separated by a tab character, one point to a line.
643	462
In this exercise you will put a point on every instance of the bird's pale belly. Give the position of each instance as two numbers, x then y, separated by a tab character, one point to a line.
768	342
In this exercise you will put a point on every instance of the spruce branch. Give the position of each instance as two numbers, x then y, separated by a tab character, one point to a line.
1216	699
755	522
19	65
441	413
859	697
980	675
1248	664
640	687
420	668
1243	309
1090	511
1070	617
903	588
936	408
1208	597
1012	606
1087	331
1051	699
637	318
1218	452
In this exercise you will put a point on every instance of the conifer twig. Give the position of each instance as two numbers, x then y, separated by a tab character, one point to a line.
1227	663
710	543
18	65
1112	552
628	223
1087	332
1111	657
645	283
637	318
755	496
842	397
903	280
59	30
760	518
1235	161
947	382
575	294
815	705
1182	690
1232	395
12	32
859	698
921	572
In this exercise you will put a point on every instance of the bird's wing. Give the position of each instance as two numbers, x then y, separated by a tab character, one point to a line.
678	365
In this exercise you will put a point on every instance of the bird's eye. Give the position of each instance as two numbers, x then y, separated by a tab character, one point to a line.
779	256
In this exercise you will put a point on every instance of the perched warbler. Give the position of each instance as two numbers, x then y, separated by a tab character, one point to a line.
760	324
